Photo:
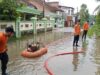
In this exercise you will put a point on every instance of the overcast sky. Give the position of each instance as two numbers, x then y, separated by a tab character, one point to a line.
91	4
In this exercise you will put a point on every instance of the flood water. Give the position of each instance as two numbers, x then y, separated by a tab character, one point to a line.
19	65
86	63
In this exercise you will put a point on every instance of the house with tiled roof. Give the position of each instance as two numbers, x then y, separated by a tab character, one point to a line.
46	8
68	15
58	12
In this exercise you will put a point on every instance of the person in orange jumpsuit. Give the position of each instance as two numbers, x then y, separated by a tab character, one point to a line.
85	30
77	32
3	48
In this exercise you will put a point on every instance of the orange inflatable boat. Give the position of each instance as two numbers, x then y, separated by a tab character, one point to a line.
37	53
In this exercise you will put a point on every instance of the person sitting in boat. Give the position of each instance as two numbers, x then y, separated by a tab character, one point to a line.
33	47
38	45
29	48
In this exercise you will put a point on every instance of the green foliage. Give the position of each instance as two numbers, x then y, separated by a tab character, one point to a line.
8	9
91	30
98	24
0	0
91	19
95	29
98	19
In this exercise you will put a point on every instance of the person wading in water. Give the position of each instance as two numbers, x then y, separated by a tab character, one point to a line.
3	48
77	32
85	30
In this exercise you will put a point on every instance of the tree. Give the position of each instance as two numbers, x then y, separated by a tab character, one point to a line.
97	8
96	28
84	14
98	14
8	9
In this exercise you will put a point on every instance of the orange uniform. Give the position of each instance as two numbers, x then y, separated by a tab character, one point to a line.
3	42
77	30
85	26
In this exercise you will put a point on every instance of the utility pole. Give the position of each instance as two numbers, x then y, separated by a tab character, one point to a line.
76	18
43	8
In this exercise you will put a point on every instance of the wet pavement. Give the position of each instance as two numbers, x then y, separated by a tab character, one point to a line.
86	63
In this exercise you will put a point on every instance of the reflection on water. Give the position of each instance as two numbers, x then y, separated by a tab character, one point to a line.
96	55
78	64
84	47
87	63
75	58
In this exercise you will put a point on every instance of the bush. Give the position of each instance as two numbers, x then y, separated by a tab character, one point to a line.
95	29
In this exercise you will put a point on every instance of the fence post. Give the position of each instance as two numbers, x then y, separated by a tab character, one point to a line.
53	22
63	23
17	27
45	23
34	19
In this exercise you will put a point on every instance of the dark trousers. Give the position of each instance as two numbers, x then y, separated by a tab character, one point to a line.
4	61
84	34
76	39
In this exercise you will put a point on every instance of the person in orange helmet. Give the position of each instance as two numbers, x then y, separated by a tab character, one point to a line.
3	48
77	32
85	30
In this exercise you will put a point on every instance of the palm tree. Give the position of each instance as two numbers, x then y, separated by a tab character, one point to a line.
97	9
84	14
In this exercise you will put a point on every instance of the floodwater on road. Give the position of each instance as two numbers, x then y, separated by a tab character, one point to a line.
19	65
86	63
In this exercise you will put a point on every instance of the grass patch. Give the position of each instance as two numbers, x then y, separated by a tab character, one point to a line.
91	30
95	29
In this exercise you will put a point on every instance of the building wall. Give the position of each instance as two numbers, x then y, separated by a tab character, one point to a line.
27	25
4	24
68	11
49	10
54	4
68	15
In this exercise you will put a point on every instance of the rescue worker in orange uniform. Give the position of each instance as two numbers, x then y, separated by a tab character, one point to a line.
3	48
77	32
85	30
